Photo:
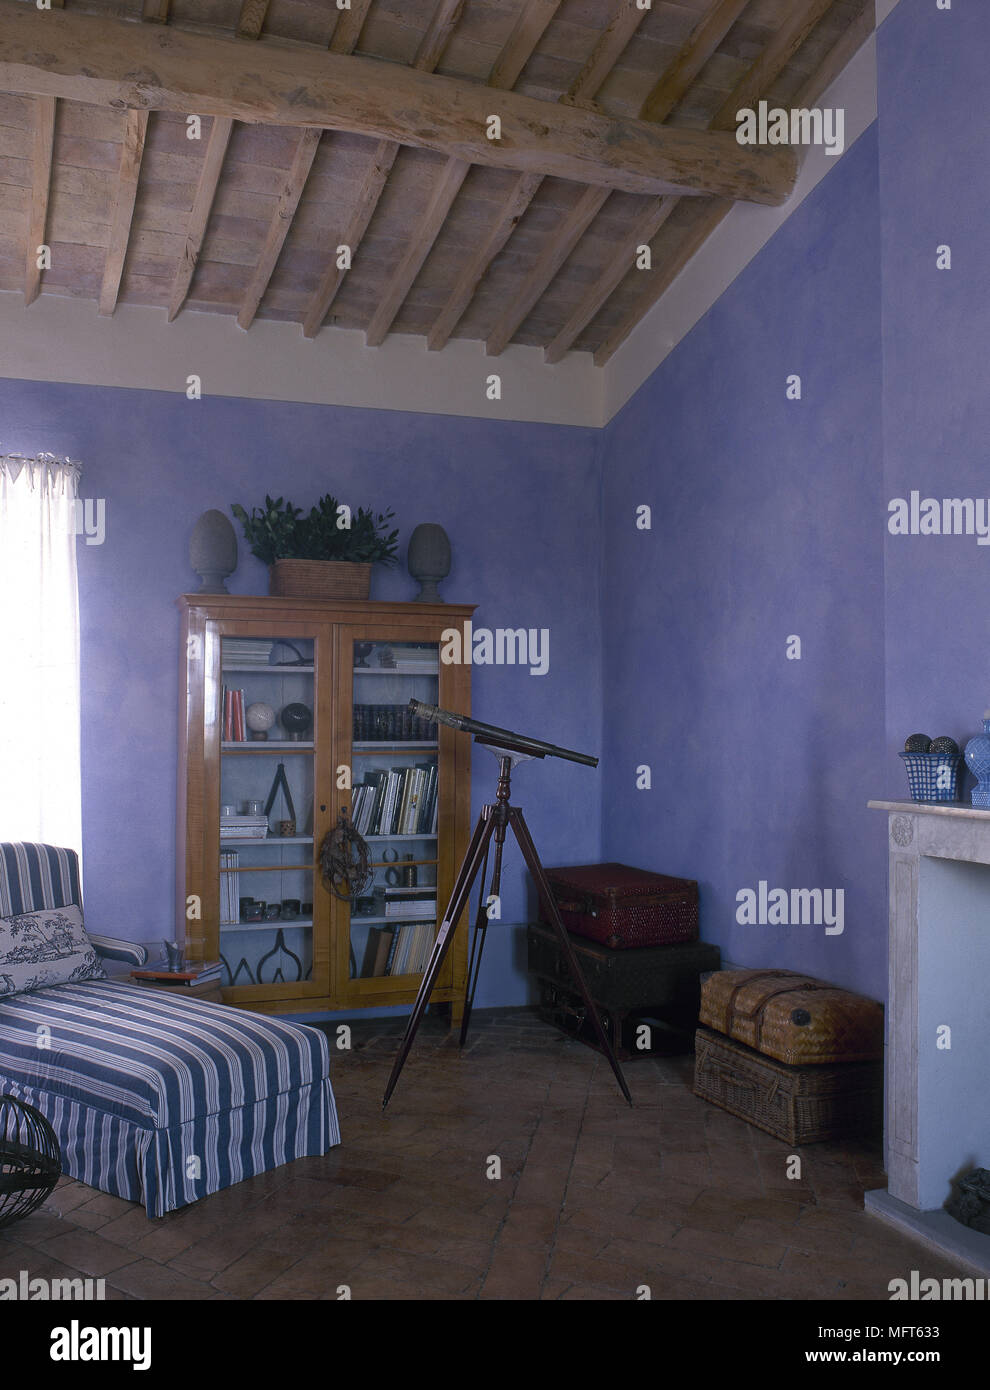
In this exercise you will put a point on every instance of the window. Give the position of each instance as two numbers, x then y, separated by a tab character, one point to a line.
39	652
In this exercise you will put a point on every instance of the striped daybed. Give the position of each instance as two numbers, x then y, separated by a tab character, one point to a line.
154	1098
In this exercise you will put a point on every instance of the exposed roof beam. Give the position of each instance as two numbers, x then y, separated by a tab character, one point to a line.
611	45
641	233
206	189
695	52
526	34
436	38
43	142
527	31
839	55
349	26
605	54
279	227
155	11
384	155
252	18
109	61
122	211
754	83
555	252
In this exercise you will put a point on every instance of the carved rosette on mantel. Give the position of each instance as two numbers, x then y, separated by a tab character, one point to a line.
939	962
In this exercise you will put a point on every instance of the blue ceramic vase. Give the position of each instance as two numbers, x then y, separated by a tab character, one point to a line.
978	762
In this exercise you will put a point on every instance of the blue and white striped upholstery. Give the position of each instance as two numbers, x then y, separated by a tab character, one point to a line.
156	1098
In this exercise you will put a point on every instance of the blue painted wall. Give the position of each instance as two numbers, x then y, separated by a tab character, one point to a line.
935	191
520	503
767	523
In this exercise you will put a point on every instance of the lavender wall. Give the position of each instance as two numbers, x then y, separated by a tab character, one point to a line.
935	189
520	503
767	523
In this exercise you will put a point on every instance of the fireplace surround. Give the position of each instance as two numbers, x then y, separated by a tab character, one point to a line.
937	1069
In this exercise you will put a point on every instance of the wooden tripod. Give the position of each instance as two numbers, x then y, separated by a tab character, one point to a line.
495	818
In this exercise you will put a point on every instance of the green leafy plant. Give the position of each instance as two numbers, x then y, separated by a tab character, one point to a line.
280	531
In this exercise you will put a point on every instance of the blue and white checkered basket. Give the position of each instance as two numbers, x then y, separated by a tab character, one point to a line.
933	776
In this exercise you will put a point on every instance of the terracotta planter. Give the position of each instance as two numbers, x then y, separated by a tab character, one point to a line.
319	579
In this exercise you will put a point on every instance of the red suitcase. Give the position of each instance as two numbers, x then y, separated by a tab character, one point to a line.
624	907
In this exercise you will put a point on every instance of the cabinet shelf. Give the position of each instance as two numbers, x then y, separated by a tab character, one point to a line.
277	922
266	746
272	670
399	747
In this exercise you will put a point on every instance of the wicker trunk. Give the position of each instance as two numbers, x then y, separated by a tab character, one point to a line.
801	1105
794	1018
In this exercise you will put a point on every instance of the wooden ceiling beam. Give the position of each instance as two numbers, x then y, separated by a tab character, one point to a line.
526	34
348	27
155	11
557	248
442	24
611	45
278	229
252	18
122	210
384	155
529	28
42	145
603	58
753	85
111	62
206	191
694	53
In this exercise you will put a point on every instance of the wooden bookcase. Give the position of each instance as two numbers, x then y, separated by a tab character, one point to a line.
334	658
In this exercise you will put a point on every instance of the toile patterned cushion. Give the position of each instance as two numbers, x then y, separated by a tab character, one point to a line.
46	947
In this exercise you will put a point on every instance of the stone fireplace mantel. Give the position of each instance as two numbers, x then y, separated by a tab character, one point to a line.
937	1122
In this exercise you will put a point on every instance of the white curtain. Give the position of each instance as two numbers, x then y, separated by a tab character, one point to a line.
40	797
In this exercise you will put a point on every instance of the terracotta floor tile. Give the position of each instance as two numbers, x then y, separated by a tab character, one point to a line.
595	1199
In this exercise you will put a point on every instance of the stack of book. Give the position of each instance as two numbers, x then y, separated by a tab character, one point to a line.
406	903
423	661
246	651
230	908
398	950
243	828
197	977
399	801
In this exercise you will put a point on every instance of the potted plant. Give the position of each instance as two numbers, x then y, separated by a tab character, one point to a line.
325	553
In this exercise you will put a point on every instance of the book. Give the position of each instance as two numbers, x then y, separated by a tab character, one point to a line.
194	973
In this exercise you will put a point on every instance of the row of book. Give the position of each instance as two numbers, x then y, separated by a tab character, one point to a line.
396	801
398	950
230	889
234	727
391	724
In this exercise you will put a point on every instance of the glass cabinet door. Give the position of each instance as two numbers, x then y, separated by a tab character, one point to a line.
395	801
268	708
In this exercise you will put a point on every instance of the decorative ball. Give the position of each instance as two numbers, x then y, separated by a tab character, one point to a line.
296	719
259	717
945	745
917	743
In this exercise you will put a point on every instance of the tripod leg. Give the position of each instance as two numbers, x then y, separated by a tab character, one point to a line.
466	875
532	859
477	947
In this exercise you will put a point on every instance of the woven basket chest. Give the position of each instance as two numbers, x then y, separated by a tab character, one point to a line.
801	1105
623	907
792	1017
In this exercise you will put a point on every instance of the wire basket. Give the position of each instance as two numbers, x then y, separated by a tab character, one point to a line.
933	776
30	1161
